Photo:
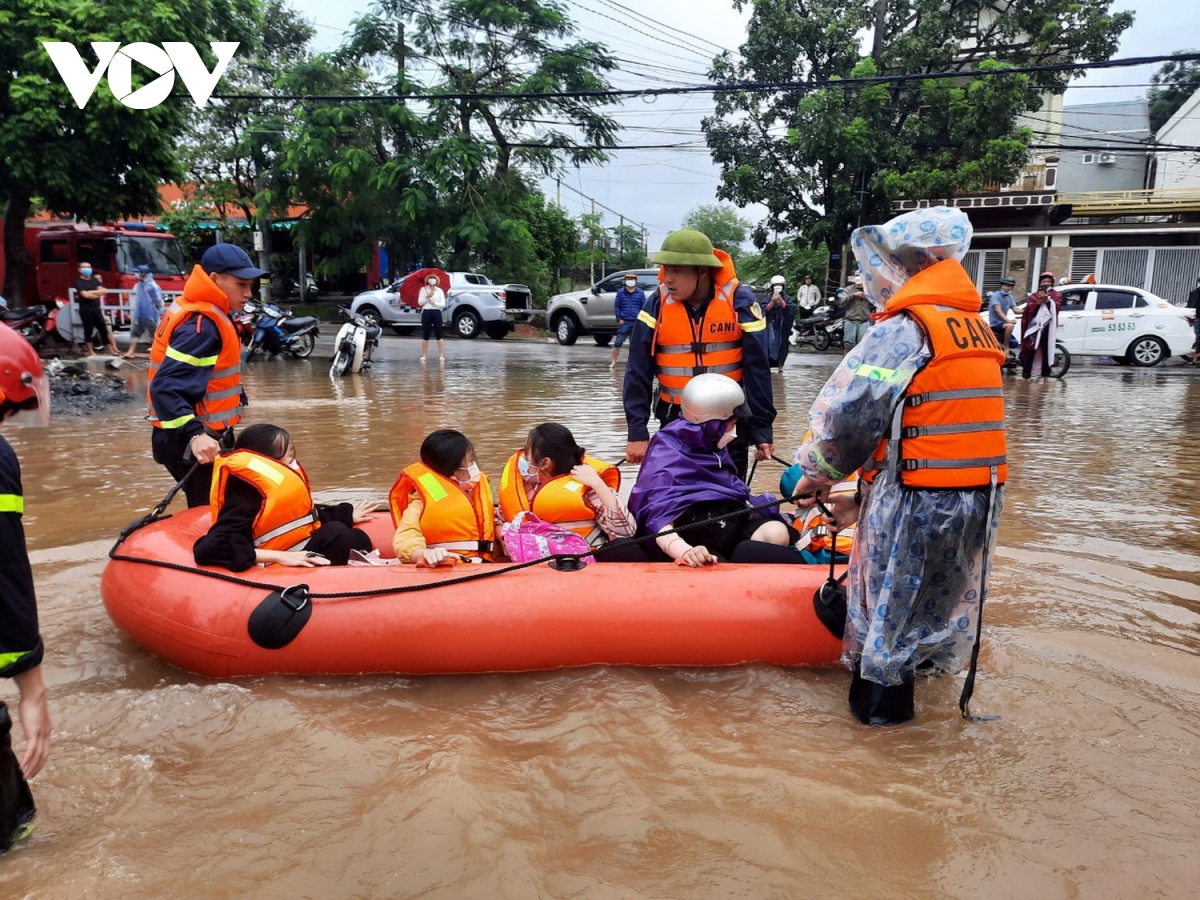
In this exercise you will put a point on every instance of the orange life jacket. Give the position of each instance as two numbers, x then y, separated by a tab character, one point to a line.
815	534
451	519
560	500
287	516
950	423
683	349
221	406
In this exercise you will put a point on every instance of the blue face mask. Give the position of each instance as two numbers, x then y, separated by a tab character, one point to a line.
528	472
86	273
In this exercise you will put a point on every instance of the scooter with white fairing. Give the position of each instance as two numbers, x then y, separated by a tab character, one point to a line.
354	345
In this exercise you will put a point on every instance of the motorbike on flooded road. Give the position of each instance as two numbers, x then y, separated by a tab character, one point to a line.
821	329
354	345
276	330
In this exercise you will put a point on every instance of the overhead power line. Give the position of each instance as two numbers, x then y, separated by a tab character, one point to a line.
728	87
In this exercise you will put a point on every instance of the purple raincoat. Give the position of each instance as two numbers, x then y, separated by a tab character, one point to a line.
683	466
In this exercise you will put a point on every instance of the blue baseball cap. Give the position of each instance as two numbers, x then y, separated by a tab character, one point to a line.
142	269
231	259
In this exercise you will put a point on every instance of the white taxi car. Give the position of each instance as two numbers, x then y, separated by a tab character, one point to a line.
1125	323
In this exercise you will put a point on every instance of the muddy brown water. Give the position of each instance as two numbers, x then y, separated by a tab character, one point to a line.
609	782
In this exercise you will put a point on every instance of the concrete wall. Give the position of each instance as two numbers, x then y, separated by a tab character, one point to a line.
1180	170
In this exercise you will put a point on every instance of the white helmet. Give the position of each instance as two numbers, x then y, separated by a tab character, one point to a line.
712	396
777	279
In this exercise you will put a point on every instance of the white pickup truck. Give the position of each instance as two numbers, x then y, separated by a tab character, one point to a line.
473	305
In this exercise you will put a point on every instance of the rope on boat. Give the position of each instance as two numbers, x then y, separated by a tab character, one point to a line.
565	561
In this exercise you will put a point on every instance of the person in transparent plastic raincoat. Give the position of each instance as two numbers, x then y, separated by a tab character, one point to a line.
919	405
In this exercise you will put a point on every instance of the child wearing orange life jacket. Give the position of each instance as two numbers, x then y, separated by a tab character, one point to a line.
442	506
554	478
817	540
263	511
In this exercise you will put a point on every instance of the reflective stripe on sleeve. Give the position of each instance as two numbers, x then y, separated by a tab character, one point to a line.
176	423
188	359
756	325
12	503
646	319
877	373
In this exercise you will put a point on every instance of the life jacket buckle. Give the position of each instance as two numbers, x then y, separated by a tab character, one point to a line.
909	431
698	348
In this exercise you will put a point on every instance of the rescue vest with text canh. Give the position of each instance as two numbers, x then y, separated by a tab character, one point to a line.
287	517
560	500
684	348
451	519
950	423
221	406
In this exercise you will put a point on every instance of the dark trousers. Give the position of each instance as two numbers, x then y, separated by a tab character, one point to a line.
16	800
93	322
170	450
1027	363
334	541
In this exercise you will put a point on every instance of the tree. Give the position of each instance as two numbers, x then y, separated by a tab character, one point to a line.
790	258
1172	85
235	147
631	250
724	227
105	160
828	158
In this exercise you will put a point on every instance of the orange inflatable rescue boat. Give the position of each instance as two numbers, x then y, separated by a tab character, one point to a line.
470	618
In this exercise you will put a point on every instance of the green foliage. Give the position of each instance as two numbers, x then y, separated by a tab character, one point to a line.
830	158
724	227
789	258
449	181
1173	84
103	161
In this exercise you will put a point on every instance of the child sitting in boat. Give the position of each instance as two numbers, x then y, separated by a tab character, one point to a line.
553	477
688	476
817	539
263	511
442	506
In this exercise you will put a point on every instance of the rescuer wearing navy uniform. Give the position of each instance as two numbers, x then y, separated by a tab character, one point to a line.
23	394
699	320
195	390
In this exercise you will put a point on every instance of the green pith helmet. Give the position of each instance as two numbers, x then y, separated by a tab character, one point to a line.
687	247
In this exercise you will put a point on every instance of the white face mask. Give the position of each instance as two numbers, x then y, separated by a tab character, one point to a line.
727	438
294	465
472	474
631	284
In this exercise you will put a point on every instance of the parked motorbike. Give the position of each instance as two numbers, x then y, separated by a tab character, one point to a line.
354	345
290	287
277	331
822	329
32	323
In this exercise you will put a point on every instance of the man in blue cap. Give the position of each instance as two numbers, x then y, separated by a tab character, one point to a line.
195	392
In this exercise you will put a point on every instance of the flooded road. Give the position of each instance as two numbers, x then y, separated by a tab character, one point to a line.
607	782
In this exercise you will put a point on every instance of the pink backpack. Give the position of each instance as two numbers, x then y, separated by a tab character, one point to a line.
528	537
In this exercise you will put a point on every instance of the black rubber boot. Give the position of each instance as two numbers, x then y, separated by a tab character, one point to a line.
16	802
877	705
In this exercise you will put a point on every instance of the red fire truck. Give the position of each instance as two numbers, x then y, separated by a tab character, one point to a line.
113	251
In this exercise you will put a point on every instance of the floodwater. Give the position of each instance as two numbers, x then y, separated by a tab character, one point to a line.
607	782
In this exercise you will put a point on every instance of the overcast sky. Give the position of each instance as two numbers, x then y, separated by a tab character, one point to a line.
656	188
